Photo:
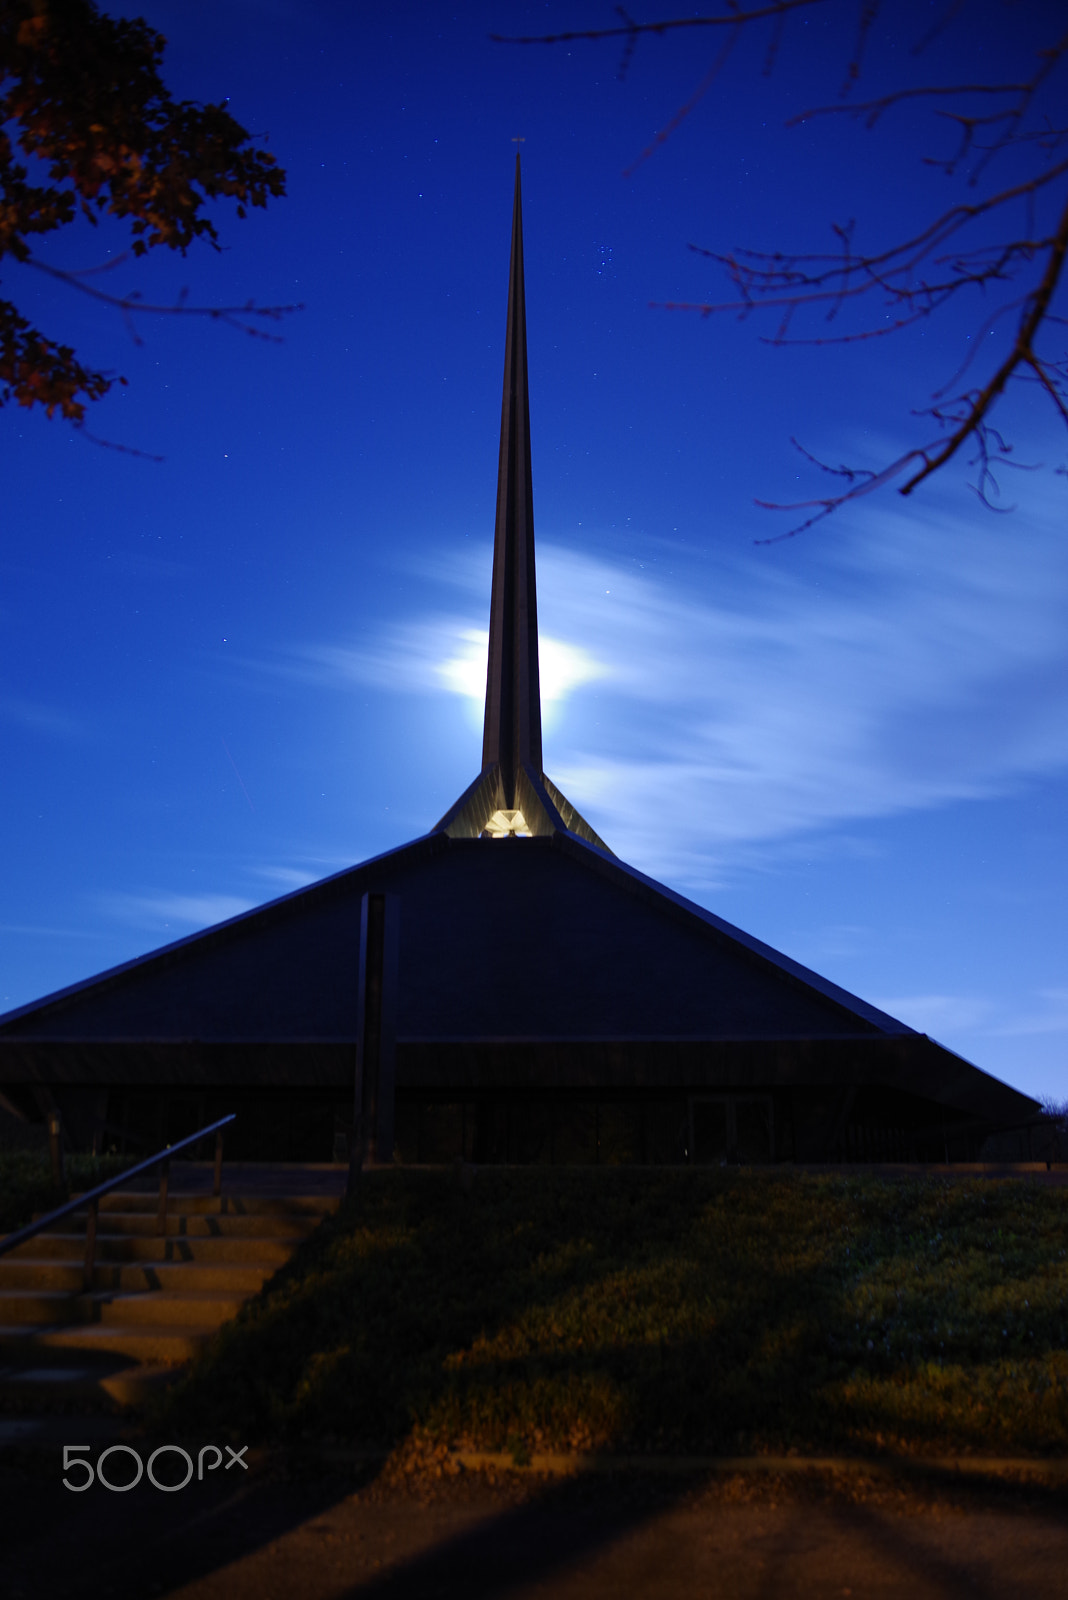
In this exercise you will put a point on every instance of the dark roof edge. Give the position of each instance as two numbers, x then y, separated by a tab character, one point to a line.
428	844
889	1027
571	819
989	1076
842	998
467	816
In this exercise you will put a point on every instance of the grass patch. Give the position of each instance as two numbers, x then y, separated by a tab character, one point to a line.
26	1182
658	1311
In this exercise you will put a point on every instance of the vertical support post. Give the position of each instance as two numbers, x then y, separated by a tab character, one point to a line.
216	1187
90	1246
55	1151
164	1179
387	1030
356	1136
100	1122
376	1033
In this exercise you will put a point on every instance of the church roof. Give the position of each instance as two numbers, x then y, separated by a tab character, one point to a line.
566	942
545	945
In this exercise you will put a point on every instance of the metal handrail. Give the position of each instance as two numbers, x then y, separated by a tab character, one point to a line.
93	1197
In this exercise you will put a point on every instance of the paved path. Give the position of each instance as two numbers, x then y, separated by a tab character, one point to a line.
740	1539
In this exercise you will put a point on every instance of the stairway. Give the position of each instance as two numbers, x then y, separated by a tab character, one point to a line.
156	1298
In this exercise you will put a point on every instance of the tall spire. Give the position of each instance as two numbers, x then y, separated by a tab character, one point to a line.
511	737
512	797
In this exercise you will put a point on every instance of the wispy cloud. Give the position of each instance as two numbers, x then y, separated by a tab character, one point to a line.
167	911
927	666
179	913
40	718
980	1015
286	879
562	668
938	1014
1048	1015
749	700
446	653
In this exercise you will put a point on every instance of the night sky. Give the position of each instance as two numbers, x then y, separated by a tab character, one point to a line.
262	660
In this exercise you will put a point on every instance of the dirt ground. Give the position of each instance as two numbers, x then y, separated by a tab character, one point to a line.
307	1532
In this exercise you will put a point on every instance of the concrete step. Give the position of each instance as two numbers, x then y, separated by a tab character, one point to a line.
193	1224
70	1247
162	1344
19	1307
314	1205
156	1299
204	1307
94	1381
53	1308
67	1276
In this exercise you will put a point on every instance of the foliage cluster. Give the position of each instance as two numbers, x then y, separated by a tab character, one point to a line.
81	97
26	1182
659	1311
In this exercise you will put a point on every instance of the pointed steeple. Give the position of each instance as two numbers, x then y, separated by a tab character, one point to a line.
511	736
512	797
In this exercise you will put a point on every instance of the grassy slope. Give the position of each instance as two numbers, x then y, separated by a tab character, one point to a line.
659	1310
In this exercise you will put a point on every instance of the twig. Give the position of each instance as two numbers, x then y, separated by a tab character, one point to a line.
131	303
732	18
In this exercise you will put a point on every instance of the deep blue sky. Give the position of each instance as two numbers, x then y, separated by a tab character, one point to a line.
261	660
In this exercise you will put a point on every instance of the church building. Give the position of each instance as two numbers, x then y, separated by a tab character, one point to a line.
503	988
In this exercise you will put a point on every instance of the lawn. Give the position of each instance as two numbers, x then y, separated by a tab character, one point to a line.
658	1311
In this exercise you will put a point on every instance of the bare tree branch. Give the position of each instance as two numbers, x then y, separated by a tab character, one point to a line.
132	303
684	111
978	408
729	19
784	278
918	276
1012	116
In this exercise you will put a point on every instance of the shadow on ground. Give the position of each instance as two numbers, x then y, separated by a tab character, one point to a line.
290	1533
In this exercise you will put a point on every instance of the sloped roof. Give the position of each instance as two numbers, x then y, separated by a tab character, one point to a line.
544	944
542	938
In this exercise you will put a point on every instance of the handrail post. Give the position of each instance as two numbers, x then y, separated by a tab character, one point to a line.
90	1246
55	1151
164	1178
217	1184
22	1236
